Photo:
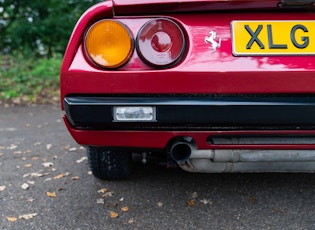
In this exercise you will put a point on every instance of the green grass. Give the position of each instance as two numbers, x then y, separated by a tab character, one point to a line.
29	80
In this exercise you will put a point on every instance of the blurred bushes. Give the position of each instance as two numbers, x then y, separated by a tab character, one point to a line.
29	80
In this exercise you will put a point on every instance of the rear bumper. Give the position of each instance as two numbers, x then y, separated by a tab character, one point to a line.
195	113
213	123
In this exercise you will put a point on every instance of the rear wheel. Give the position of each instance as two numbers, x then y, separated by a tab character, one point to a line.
107	164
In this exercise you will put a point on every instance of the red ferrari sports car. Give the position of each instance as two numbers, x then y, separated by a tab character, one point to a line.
206	85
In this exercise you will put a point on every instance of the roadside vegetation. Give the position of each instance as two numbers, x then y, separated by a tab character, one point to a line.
29	80
33	38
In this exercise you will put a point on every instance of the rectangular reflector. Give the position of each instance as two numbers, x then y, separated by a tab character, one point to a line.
134	113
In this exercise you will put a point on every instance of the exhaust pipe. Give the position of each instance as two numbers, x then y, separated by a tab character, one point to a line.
181	152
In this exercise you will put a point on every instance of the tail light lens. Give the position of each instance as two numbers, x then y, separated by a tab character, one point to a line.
160	42
109	44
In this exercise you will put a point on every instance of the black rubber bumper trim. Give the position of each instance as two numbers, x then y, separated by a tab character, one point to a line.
180	112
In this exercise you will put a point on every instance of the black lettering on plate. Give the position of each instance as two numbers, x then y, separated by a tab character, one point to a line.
304	39
270	40
254	37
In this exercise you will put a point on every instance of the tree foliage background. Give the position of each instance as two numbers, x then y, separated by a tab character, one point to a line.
37	27
33	37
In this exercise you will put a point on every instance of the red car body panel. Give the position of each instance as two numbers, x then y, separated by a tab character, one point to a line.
153	6
199	72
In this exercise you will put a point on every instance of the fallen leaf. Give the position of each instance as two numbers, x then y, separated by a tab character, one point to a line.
37	143
100	201
28	216
11	219
62	175
28	151
39	174
191	202
205	201
113	214
121	199
48	146
59	176
108	194
125	209
25	186
103	190
47	164
75	178
160	204
2	188
30	200
90	173
12	146
252	199
194	195
72	149
30	182
66	147
131	221
1	154
17	152
28	165
81	160
51	194
2	147
27	125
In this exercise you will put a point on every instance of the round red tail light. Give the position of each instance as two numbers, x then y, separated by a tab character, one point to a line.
160	42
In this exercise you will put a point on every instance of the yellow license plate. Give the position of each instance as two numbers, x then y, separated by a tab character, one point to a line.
273	38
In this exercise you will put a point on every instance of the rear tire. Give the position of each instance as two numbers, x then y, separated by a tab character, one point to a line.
106	164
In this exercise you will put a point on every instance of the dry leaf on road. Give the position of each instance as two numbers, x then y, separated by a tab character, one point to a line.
48	164
12	146
11	219
62	175
191	202
160	204
252	199
205	201
113	214
103	190
131	221
51	194
2	188
108	194
100	201
125	209
194	195
28	216
81	160
25	186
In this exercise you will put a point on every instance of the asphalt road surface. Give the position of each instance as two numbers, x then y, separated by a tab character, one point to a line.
45	183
